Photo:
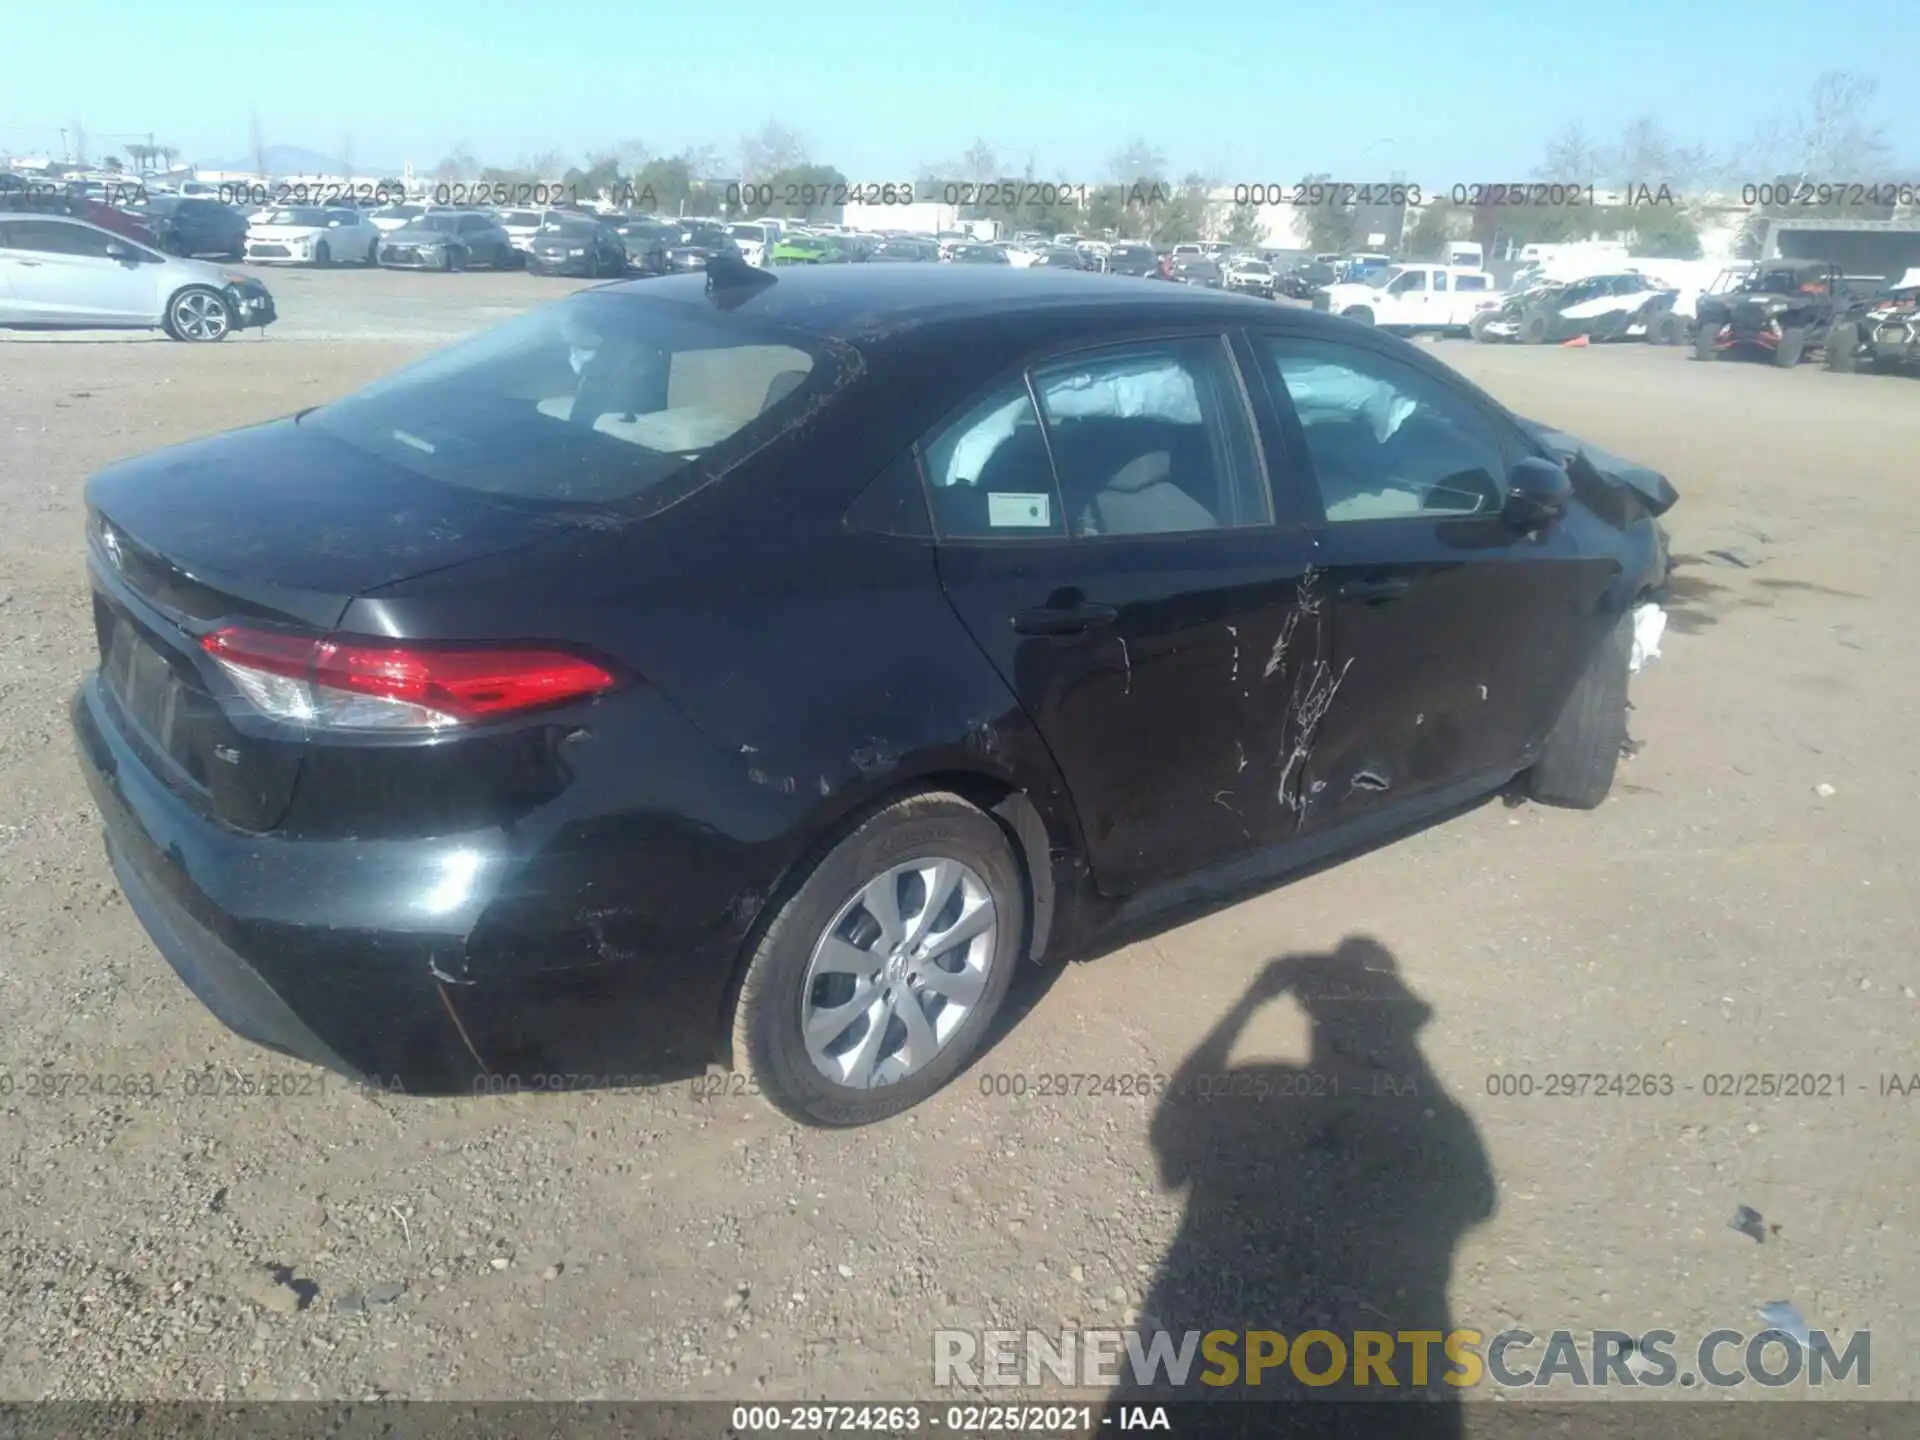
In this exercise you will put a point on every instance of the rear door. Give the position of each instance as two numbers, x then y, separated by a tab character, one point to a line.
1107	535
1454	632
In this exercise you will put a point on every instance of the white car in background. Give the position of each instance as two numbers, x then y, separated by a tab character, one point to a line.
754	240
313	235
392	217
522	224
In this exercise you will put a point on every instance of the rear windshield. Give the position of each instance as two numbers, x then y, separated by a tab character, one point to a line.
602	397
520	217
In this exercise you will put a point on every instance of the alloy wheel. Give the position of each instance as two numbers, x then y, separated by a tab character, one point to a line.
201	316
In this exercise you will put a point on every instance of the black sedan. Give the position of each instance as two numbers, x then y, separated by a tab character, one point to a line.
577	245
188	226
695	245
646	245
763	667
449	240
1198	270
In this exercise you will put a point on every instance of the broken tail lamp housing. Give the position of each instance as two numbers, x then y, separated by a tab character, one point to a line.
333	682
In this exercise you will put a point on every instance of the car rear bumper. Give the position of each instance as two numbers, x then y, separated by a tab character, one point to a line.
365	959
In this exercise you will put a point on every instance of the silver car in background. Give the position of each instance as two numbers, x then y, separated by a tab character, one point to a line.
58	273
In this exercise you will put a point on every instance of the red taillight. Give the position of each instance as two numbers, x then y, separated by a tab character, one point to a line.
344	683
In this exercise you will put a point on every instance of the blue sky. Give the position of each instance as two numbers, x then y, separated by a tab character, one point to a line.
1247	90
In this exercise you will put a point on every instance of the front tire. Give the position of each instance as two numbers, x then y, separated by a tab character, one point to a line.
1534	326
198	315
1666	328
1793	340
322	256
1477	328
1704	337
1582	751
878	978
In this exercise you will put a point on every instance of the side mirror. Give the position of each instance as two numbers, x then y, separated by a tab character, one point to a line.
117	251
1538	493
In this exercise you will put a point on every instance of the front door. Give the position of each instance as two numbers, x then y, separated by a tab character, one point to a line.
61	274
1454	631
1107	535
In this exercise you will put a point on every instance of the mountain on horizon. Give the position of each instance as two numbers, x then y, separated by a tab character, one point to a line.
298	160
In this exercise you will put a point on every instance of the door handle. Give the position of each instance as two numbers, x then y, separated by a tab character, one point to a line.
1064	620
1373	592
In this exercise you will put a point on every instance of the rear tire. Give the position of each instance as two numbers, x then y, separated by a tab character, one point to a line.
1582	751
1793	340
1534	326
1477	328
1842	341
781	986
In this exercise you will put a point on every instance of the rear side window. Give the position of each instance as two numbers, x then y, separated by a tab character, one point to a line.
989	473
1470	282
602	397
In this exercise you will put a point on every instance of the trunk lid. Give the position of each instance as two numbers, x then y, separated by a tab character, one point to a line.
279	523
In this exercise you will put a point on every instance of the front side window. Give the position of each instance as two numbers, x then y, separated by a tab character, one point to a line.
1386	441
1152	439
1408	282
603	397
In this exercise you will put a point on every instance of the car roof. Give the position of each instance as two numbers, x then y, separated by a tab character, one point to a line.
854	301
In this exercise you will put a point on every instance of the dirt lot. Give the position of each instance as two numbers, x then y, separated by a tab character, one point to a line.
1723	912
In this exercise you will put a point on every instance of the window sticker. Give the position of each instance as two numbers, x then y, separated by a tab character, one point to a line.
1011	508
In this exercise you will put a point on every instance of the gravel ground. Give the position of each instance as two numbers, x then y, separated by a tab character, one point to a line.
1735	907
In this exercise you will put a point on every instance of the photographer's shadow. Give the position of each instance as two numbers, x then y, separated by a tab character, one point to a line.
1323	1196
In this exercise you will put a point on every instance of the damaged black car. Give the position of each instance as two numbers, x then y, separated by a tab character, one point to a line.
760	669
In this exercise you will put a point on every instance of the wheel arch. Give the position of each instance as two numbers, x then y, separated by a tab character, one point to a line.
1019	819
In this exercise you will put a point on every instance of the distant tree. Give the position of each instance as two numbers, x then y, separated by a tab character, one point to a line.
111	164
776	148
1834	137
979	165
1243	227
806	192
1572	158
167	154
1438	223
257	142
1331	227
1664	234
1139	161
142	156
667	185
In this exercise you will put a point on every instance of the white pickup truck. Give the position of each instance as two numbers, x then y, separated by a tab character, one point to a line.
1414	297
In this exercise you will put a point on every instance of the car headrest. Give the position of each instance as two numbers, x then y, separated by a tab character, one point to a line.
1150	469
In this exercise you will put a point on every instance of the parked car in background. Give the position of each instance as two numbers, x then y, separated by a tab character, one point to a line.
523	224
449	240
309	235
1196	269
1058	257
905	249
1413	297
1616	306
754	239
977	255
697	243
488	798
61	273
1128	257
23	199
1779	311
798	248
1307	279
392	217
186	226
1880	334
577	245
1249	276
646	243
